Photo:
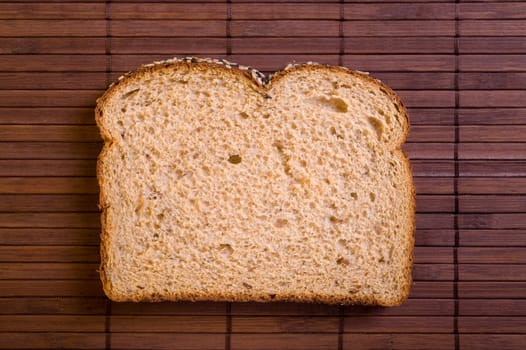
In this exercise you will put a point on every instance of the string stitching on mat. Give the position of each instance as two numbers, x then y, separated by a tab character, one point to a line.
107	17
455	180
228	27
341	34
107	48
228	326
341	314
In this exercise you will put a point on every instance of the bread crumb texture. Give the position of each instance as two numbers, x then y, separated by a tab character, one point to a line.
216	184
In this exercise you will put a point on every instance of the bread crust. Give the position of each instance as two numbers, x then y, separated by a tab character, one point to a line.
262	85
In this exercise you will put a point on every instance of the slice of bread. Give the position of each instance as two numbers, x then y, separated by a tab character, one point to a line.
216	184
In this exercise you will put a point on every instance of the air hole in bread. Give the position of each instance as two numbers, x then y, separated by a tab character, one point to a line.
129	93
342	261
247	286
226	250
372	196
338	104
335	220
377	125
341	243
244	115
281	222
234	159
354	195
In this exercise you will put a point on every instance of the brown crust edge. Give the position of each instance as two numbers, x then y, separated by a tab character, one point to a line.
262	85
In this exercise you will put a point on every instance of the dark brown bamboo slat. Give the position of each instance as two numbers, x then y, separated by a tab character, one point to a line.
490	255
415	150
399	28
51	11
168	11
49	98
492	290
53	288
61	45
430	185
48	185
53	323
242	11
493	81
48	203
399	45
297	45
492	204
169	308
169	46
499	307
52	236
166	341
65	133
168	28
411	307
53	167
283	309
50	220
500	272
492	116
55	27
511	133
284	324
435	221
380	12
52	63
29	253
398	324
493	341
433	255
492	28
431	116
431	289
488	150
488	185
431	168
424	133
500	98
501	324
492	238
176	324
492	10
46	115
492	221
50	150
52	306
492	168
58	340
438	237
283	28
401	63
49	271
416	80
53	81
433	272
291	341
399	341
435	203
495	63
481	44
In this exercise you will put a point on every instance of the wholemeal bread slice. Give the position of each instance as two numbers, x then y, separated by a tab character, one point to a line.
216	184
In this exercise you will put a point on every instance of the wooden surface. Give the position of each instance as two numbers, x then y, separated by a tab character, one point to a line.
459	66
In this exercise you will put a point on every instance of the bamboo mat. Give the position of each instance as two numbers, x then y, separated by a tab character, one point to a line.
459	67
